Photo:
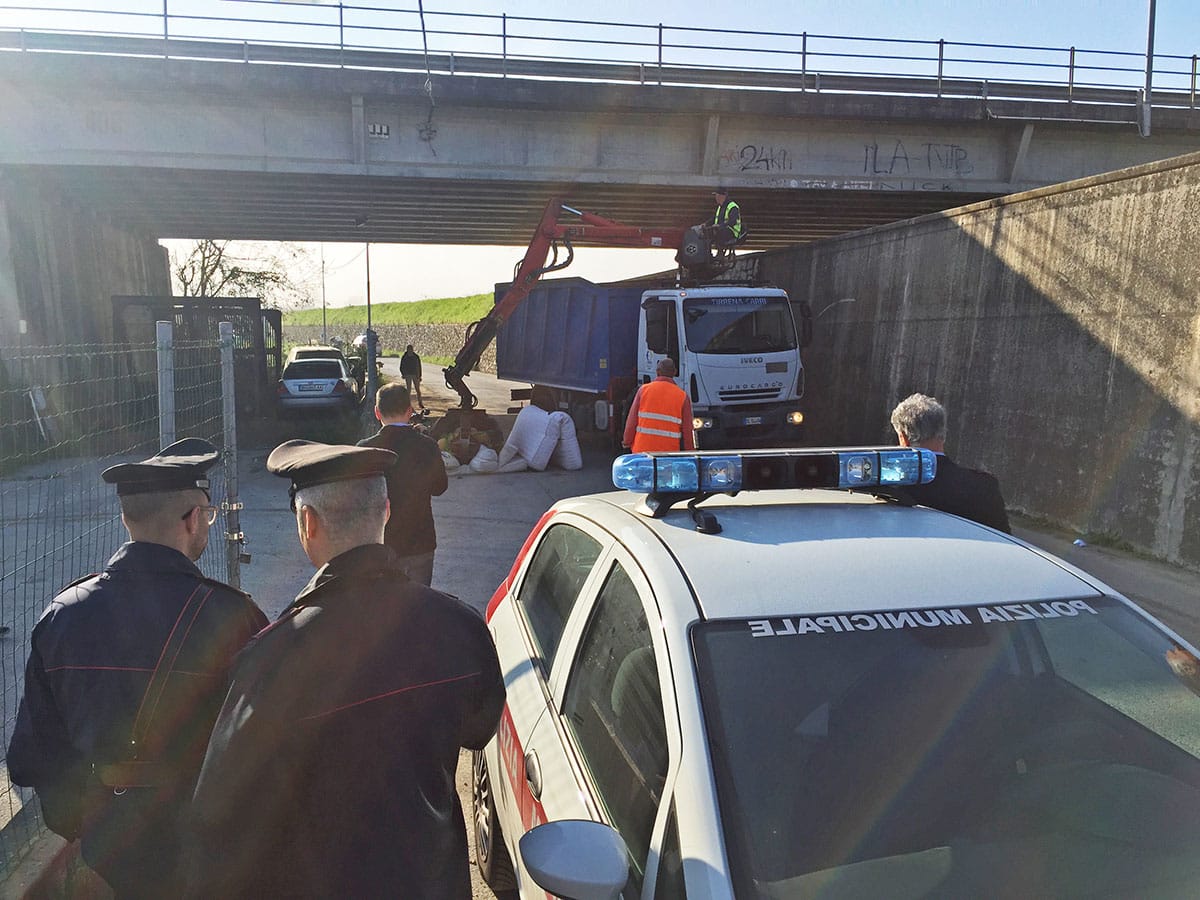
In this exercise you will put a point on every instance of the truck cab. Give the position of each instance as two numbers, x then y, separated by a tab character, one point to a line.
737	350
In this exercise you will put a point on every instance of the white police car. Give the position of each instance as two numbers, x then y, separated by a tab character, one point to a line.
801	693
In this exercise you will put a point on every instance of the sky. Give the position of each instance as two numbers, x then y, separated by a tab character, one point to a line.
396	272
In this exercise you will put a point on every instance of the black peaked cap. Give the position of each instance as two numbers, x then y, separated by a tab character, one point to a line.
180	467
309	463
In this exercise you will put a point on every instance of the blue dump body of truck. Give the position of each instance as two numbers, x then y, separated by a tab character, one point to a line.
570	333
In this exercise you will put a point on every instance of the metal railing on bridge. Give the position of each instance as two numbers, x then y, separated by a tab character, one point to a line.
405	38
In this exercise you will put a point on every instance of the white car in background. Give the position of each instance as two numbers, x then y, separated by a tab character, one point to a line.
811	692
320	386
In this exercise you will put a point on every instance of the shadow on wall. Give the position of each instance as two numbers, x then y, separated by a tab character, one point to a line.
1060	327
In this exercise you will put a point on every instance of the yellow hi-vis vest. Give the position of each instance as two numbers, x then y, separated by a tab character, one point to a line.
660	418
722	217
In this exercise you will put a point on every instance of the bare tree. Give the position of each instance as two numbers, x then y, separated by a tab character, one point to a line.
281	275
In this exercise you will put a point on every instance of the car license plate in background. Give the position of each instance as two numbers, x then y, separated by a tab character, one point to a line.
752	420
312	387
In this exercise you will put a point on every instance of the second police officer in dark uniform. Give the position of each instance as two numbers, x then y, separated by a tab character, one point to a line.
331	770
126	673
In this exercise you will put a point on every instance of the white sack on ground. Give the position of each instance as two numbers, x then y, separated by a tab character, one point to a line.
566	452
485	460
533	438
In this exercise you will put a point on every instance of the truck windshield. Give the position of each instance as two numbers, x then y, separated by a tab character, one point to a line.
999	751
738	324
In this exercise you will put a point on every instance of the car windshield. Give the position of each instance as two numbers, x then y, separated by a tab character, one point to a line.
739	325
313	368
1035	749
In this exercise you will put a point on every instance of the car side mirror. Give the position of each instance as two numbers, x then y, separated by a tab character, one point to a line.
576	859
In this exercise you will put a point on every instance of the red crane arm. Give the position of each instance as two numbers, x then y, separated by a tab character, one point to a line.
590	229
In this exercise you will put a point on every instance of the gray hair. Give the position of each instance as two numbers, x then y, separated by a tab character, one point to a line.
919	419
355	509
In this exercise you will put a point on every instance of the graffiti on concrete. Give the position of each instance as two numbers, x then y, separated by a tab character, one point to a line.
758	158
927	158
888	165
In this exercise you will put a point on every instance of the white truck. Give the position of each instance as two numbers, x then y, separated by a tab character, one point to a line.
736	346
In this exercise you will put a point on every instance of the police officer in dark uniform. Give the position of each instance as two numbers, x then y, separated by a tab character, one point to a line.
127	670
331	769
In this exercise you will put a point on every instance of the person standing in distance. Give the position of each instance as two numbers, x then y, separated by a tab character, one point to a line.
660	419
127	671
920	421
410	370
418	475
331	769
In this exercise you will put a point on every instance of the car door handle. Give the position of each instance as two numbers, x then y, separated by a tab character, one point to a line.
533	774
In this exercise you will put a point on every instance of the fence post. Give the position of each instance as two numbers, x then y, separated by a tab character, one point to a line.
166	383
166	31
804	61
1193	100
341	34
1071	77
230	505
941	62
504	45
660	31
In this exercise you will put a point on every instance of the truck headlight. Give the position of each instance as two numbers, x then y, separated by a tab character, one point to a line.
699	423
795	417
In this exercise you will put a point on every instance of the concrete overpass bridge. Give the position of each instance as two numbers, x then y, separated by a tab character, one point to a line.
173	137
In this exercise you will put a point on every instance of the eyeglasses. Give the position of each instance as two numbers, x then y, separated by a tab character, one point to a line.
209	511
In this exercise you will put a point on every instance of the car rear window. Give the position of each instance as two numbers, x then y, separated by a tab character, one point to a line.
314	368
317	353
971	751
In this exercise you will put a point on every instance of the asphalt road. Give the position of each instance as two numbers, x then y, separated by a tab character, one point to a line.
482	520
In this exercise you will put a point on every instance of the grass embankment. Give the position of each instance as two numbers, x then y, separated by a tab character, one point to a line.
446	310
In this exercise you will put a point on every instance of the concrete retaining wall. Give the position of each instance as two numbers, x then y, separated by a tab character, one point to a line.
60	266
1060	327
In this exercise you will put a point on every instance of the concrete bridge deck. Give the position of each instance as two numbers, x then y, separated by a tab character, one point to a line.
294	150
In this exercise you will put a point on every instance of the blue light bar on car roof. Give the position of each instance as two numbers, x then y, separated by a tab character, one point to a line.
717	472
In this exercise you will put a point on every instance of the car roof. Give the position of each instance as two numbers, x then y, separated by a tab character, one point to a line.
315	351
791	552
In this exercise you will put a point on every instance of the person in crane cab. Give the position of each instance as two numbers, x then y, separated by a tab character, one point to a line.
726	227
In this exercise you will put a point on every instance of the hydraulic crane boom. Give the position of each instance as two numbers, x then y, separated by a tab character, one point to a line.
542	257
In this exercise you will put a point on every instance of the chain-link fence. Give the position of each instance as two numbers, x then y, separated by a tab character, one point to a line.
66	414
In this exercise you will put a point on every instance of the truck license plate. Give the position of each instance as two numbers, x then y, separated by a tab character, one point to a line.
311	387
752	420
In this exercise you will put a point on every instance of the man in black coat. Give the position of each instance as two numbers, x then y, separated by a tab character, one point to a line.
127	670
331	770
410	371
418	475
920	421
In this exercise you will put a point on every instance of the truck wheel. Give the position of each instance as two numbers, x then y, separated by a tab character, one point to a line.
490	853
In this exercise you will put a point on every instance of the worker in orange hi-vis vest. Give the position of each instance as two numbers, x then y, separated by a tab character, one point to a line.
660	419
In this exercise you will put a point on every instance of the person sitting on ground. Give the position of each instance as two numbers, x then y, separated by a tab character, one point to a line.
920	421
